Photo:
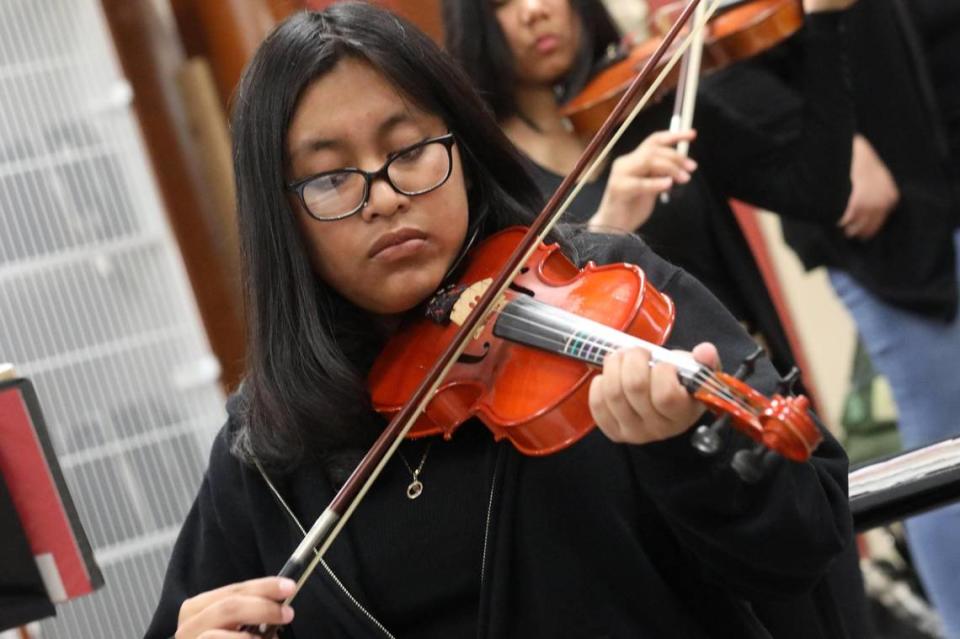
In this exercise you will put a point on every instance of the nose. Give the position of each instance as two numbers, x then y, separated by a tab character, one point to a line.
383	200
532	11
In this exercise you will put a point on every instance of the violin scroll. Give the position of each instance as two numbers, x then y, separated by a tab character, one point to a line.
780	424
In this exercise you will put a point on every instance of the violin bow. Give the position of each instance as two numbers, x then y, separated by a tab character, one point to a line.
686	96
308	554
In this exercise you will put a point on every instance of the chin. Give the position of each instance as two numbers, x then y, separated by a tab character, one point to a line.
405	285
396	307
405	297
553	74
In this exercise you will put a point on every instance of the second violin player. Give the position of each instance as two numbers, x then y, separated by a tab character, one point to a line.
524	53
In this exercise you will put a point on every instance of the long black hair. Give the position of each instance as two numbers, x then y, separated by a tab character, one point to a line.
308	348
474	37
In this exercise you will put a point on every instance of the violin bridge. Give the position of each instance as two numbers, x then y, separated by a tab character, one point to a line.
467	301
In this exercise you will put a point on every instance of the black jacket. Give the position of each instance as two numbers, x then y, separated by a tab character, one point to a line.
910	263
936	39
598	540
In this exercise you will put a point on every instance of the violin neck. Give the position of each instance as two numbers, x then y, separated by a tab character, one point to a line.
526	321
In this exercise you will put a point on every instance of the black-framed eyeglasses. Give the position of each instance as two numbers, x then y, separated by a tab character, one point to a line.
414	170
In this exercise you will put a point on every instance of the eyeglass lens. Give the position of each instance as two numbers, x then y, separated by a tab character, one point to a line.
413	172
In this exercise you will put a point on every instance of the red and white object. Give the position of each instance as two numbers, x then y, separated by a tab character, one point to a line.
47	515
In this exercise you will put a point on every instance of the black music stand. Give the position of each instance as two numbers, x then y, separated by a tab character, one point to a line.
23	597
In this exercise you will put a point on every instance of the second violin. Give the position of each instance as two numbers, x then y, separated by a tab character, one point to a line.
739	30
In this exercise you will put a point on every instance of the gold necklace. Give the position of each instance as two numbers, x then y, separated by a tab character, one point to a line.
415	487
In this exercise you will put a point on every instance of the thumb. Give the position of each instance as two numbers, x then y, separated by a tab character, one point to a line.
706	354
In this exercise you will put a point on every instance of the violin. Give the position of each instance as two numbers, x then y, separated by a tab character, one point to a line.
526	372
741	29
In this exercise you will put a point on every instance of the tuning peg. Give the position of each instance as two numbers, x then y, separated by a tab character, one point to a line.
751	464
748	364
788	381
706	439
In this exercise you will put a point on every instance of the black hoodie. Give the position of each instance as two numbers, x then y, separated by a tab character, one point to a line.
598	540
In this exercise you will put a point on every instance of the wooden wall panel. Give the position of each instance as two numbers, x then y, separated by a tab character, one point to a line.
152	57
232	30
423	13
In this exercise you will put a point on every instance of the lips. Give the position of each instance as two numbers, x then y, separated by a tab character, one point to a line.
395	238
546	43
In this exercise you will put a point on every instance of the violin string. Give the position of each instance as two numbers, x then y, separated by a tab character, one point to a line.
703	376
705	379
721	388
537	318
563	335
533	308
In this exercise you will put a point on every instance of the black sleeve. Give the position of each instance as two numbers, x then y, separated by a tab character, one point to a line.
762	143
762	540
213	547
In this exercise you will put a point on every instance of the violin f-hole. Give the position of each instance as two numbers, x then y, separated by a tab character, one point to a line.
470	358
513	286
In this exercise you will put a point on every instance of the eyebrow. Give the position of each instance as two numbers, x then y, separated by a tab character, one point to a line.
314	144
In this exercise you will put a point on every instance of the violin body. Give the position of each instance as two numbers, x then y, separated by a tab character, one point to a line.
536	399
526	371
739	32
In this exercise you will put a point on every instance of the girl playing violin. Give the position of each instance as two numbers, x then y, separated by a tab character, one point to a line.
366	166
528	56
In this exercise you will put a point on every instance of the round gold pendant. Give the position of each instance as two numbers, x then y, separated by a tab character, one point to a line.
414	489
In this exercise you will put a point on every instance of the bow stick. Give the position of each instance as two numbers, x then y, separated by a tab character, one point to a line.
688	82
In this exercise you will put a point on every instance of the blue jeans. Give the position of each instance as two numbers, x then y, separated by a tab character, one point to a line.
921	360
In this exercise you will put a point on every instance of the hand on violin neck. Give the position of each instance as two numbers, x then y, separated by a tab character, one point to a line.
816	6
636	403
637	178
